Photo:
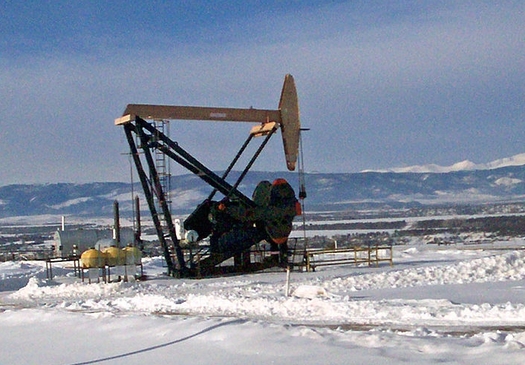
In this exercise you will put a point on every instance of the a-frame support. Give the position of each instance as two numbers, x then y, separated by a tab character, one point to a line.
154	189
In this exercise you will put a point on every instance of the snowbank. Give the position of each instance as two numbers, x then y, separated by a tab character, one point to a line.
452	306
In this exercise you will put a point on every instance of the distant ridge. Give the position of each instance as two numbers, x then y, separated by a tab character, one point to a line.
326	191
466	165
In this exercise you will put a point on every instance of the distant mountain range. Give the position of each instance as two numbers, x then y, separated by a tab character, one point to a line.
326	191
516	160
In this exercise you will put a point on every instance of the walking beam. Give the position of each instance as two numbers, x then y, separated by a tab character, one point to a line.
287	116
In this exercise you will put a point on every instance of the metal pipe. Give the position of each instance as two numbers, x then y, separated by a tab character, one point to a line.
257	153
116	223
232	164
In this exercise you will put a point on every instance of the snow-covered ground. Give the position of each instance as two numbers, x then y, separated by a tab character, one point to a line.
454	305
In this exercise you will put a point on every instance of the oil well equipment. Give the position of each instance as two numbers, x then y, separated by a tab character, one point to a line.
234	223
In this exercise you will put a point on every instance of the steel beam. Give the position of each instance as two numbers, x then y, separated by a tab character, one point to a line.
179	155
128	129
148	111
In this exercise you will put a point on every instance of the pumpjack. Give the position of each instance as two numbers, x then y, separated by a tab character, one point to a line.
236	222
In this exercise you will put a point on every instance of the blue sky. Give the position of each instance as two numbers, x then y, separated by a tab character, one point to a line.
381	83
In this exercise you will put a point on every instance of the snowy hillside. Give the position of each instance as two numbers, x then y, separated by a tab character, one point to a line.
453	306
